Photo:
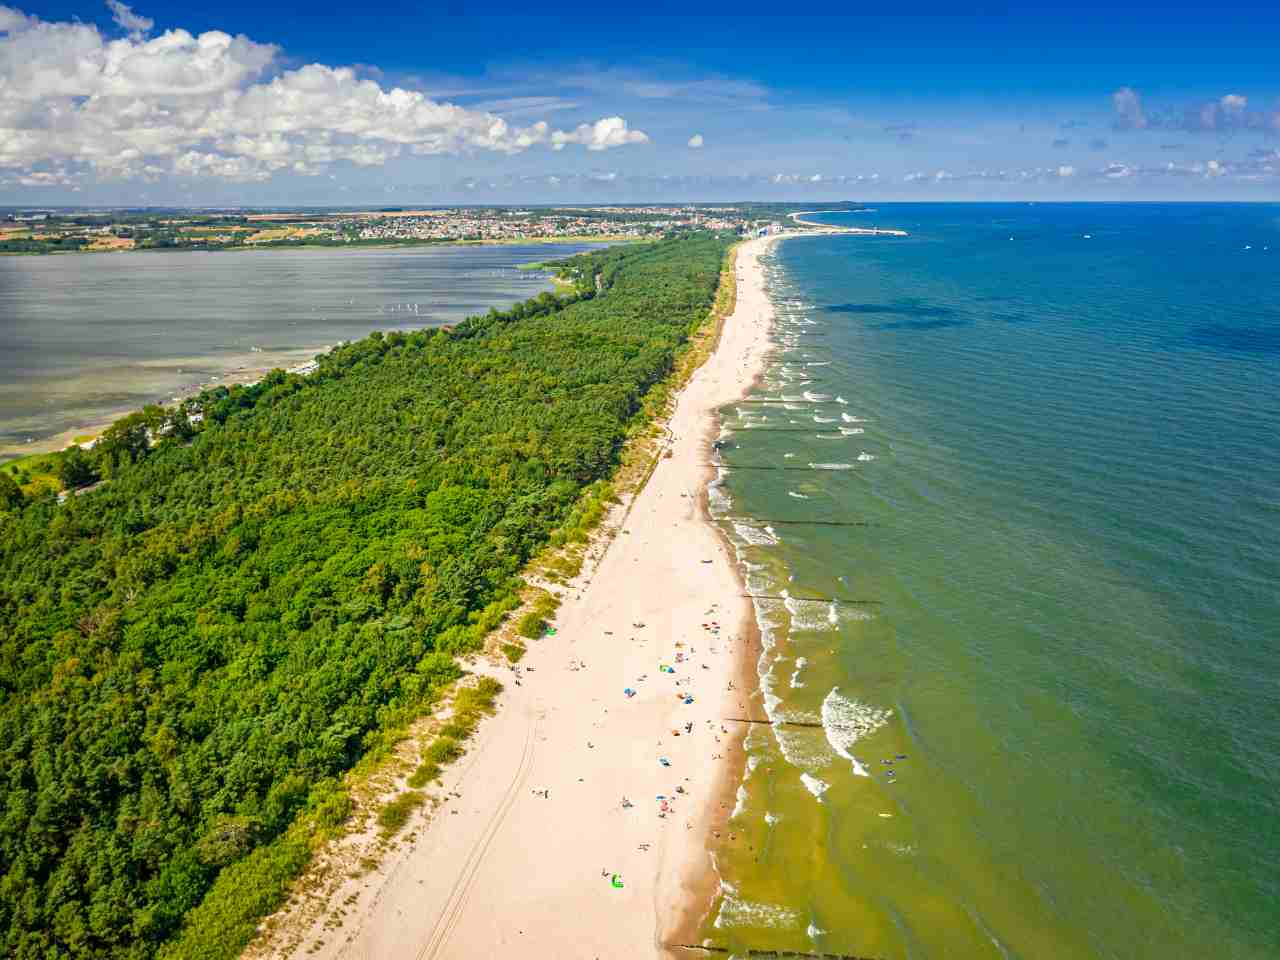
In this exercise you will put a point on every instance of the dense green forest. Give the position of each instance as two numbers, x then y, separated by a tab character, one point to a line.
193	653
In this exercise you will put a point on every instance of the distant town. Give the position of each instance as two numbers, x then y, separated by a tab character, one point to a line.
72	231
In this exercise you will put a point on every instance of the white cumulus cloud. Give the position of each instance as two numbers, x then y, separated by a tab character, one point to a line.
696	141
217	105
604	133
126	19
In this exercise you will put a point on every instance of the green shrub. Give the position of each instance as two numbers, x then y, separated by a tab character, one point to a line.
425	774
396	814
443	750
531	625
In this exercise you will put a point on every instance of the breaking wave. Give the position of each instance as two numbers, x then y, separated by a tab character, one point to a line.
847	721
814	785
745	913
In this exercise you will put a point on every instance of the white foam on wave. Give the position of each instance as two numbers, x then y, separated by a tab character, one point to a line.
798	496
842	400
814	785
801	748
831	466
816	397
746	913
851	431
813	931
818	419
812	617
770	818
770	700
849	419
718	500
864	456
740	803
796	682
755	536
846	721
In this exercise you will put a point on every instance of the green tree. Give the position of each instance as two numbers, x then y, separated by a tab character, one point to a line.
76	469
10	493
124	442
192	655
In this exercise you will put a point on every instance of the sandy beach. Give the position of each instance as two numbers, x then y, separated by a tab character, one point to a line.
521	858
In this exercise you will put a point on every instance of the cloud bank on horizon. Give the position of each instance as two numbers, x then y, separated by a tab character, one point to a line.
214	105
139	111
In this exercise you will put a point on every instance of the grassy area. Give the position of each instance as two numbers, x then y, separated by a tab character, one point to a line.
35	474
471	704
396	813
534	623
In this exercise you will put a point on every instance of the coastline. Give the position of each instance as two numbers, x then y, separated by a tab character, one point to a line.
857	231
92	428
606	238
204	371
517	850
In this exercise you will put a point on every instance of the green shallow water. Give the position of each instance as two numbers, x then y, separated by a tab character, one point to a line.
1069	498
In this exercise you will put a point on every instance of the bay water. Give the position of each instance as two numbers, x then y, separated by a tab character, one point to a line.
1022	466
88	337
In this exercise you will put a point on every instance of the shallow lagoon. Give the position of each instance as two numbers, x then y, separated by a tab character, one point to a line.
86	337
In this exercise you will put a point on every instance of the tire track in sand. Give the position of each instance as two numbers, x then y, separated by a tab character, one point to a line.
459	894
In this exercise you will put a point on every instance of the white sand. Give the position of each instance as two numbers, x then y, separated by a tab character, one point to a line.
504	872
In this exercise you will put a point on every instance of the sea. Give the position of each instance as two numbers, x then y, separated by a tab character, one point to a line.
85	338
1013	482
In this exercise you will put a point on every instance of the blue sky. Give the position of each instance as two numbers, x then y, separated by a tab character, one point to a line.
404	102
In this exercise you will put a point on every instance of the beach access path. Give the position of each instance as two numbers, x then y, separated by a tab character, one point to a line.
520	860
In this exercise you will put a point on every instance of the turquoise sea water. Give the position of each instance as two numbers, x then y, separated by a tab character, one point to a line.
1058	427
